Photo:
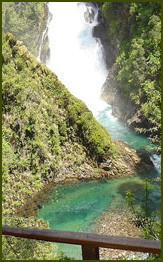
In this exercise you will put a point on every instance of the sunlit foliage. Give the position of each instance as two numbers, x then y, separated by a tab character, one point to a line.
135	33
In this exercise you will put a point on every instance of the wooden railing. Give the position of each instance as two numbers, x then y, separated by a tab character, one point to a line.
90	242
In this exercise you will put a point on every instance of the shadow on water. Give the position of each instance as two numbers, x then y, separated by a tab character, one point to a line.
136	188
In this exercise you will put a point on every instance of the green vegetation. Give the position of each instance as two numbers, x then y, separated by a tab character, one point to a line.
26	21
135	33
17	248
46	131
144	217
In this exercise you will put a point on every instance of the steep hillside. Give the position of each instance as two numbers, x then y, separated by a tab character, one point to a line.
26	21
47	132
131	34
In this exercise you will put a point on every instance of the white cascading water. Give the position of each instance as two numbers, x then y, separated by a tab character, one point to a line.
77	59
44	34
40	47
75	55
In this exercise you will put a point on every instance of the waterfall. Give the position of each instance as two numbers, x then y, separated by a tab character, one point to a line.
44	35
156	159
77	59
75	55
41	43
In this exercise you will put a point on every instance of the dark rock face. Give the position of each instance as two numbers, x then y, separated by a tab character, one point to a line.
123	108
96	4
111	93
89	14
100	32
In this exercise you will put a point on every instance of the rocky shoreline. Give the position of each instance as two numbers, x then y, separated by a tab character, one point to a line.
117	221
127	163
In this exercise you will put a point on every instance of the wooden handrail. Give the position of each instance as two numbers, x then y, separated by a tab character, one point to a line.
90	242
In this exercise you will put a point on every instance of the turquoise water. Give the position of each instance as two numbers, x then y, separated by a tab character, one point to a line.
119	131
75	206
72	206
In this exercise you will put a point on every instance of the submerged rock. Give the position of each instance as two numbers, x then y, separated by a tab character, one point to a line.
128	162
117	222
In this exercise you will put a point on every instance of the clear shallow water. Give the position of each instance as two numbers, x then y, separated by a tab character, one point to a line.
74	206
77	58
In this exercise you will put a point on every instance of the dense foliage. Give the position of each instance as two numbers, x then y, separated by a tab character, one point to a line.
17	248
26	21
46	132
144	217
135	33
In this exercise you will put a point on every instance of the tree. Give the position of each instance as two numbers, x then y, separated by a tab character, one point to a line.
143	216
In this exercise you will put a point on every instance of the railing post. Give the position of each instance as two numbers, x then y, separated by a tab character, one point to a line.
90	253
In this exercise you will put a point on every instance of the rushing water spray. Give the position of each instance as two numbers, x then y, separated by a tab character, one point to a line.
75	55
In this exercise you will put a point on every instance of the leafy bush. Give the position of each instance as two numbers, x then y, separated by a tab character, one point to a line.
144	217
25	21
26	249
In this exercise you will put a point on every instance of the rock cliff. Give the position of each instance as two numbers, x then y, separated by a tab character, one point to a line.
132	49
